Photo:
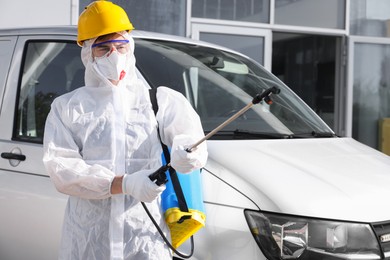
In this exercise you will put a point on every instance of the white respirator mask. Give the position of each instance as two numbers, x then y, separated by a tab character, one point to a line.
112	61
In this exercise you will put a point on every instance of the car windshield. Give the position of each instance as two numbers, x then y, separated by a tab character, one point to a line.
219	83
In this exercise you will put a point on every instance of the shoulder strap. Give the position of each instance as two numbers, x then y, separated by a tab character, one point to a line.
172	173
153	99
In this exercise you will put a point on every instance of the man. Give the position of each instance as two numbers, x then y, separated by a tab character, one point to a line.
101	144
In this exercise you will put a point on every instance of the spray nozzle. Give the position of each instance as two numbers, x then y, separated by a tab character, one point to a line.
266	95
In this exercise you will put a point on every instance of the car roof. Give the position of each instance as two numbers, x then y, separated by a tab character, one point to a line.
72	31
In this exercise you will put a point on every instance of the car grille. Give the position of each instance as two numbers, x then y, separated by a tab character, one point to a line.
382	231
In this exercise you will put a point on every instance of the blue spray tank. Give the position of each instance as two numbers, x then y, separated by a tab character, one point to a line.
183	224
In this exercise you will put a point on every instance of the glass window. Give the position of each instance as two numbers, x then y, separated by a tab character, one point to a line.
252	46
50	69
311	13
256	11
307	64
163	16
371	91
370	18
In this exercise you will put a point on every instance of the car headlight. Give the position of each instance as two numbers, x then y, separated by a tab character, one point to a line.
291	237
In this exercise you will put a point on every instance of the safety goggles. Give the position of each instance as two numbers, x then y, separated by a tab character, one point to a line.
104	48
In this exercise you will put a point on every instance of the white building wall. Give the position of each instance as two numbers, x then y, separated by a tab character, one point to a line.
27	13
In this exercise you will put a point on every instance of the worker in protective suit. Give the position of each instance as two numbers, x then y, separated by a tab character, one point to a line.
101	144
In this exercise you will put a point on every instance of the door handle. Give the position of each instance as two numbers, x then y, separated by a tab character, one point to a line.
13	156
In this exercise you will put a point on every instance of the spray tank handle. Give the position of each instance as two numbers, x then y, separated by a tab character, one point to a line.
159	177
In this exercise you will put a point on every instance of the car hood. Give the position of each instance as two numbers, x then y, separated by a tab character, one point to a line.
335	178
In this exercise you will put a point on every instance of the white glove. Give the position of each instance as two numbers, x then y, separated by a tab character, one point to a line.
140	186
183	161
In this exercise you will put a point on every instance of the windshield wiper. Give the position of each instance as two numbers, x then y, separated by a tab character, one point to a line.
314	134
261	134
246	134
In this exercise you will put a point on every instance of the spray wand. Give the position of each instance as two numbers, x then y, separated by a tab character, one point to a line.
159	176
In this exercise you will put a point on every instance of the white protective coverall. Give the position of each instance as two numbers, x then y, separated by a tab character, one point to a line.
99	131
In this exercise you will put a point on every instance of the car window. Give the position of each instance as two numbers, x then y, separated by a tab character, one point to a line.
217	84
49	69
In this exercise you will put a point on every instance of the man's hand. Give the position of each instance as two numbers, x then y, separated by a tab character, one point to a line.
140	186
181	160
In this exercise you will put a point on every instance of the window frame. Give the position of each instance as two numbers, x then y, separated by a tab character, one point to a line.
16	115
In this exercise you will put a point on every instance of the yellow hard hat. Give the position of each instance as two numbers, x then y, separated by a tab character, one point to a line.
101	18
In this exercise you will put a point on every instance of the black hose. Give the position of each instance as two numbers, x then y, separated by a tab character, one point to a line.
165	238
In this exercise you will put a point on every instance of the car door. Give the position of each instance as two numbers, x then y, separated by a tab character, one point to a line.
42	68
